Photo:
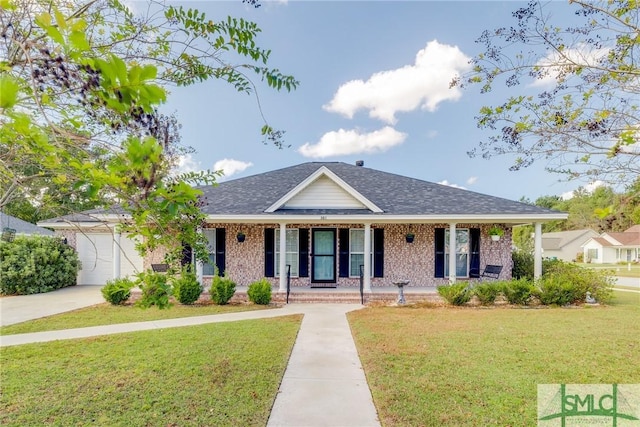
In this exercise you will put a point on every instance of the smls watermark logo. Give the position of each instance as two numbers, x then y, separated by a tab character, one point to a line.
564	405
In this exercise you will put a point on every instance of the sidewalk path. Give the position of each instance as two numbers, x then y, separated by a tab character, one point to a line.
324	384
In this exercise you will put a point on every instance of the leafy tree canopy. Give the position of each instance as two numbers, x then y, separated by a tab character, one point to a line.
584	122
80	86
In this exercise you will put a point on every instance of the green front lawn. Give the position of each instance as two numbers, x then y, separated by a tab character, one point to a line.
224	374
621	270
477	367
107	314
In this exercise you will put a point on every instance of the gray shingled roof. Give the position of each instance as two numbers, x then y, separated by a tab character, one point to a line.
22	227
394	194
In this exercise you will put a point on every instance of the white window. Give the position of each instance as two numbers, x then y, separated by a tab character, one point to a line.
461	254
592	254
208	268
356	251
291	254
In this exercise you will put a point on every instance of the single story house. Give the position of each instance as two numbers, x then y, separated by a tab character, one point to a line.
326	223
10	225
612	247
565	245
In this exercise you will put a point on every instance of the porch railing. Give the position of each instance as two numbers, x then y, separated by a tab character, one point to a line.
362	284
288	281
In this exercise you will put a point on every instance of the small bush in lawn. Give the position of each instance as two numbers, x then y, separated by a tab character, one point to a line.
187	289
260	292
487	292
222	289
579	279
456	294
155	290
117	291
519	291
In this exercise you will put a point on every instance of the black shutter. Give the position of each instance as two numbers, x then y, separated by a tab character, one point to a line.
439	252
221	244
343	252
378	252
303	252
474	261
187	255
269	255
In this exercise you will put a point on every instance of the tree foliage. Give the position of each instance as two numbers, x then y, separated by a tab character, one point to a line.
584	121
81	83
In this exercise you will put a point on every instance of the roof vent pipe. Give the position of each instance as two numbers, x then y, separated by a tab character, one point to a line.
359	162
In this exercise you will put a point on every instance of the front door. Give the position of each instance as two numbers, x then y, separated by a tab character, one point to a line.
323	257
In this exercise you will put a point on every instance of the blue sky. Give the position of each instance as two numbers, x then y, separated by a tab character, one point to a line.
374	86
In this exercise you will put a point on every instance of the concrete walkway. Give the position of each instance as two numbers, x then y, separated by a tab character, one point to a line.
323	385
20	308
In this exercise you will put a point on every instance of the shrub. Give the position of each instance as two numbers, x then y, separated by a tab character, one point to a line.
580	280
557	292
456	294
222	289
522	265
36	264
519	291
487	292
186	288
117	291
260	292
155	290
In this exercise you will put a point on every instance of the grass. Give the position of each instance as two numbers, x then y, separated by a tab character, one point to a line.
223	374
107	314
617	269
471	367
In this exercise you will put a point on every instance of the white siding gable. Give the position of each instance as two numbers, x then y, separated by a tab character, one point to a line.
323	193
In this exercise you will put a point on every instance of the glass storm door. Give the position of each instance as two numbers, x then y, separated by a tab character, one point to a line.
323	259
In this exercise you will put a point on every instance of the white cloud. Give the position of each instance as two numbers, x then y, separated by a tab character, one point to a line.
432	134
558	64
345	142
590	188
188	164
472	180
230	166
425	84
448	184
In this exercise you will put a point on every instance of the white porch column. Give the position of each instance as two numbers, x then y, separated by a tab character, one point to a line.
452	253
116	253
367	258
283	258
199	265
537	252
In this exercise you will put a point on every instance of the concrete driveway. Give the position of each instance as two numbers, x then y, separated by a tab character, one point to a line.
20	308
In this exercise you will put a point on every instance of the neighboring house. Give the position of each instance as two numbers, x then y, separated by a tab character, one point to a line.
331	221
614	247
565	245
8	222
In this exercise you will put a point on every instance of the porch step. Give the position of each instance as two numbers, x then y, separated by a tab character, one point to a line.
326	296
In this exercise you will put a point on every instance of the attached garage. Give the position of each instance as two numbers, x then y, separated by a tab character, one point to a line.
95	251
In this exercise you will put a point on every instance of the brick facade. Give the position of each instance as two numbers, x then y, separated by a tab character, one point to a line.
402	260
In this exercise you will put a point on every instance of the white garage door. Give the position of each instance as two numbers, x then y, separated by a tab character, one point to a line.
95	251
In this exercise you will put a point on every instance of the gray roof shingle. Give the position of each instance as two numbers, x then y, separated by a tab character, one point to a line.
394	194
22	227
